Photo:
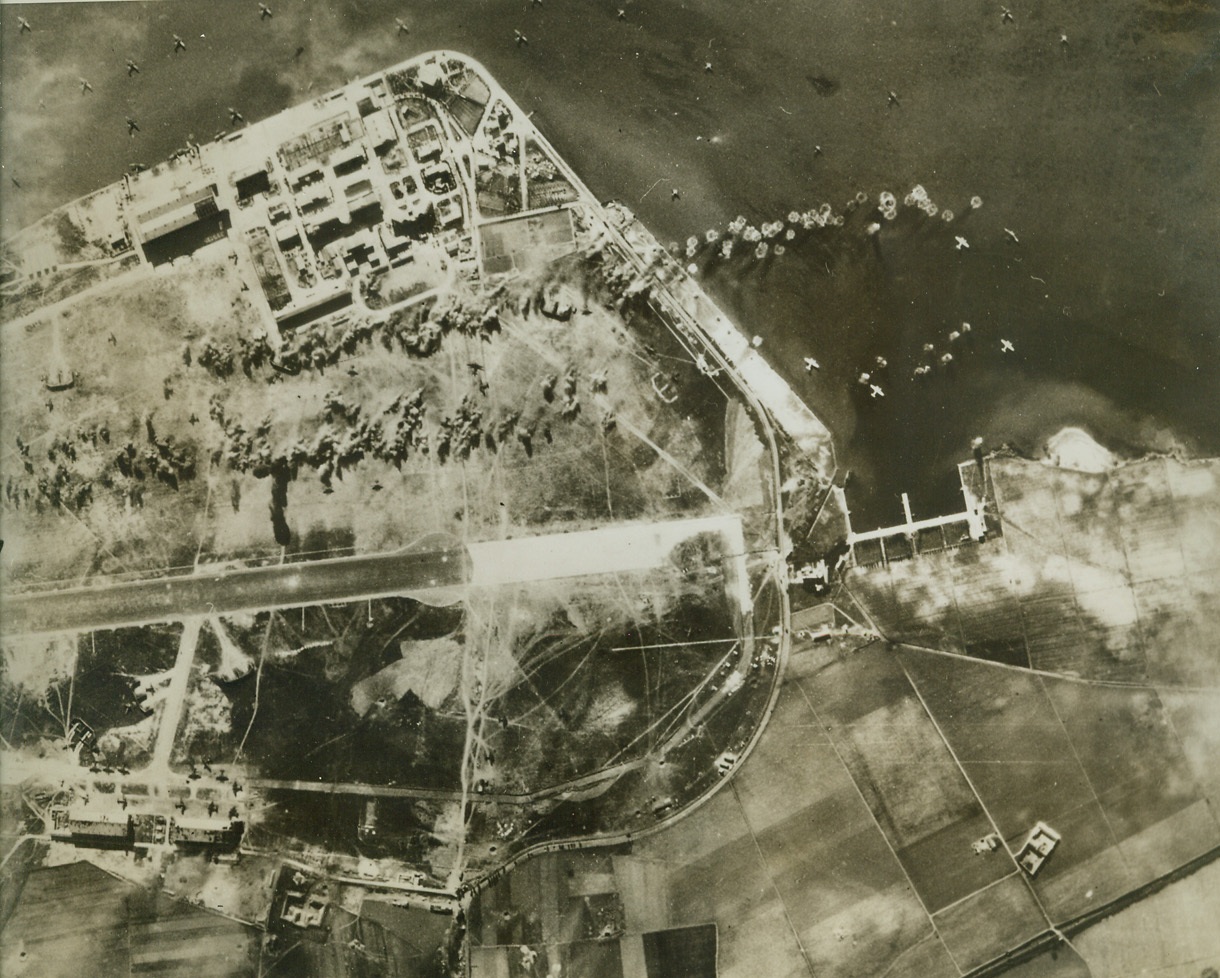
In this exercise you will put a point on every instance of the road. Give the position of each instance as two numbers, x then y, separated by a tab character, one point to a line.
245	589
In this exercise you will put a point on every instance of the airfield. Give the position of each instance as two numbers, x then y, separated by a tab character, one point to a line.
434	551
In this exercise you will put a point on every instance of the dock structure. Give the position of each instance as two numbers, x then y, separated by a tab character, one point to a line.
912	536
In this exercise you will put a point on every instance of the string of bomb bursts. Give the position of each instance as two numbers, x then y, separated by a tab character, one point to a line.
773	237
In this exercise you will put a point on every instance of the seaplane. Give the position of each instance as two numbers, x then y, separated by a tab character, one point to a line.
811	365
263	11
520	38
875	391
85	87
928	348
235	117
1012	234
881	362
961	242
891	99
622	14
954	336
946	359
179	44
922	369
966	327
1007	347
863	378
132	68
132	128
1005	16
707	66
675	194
23	26
402	26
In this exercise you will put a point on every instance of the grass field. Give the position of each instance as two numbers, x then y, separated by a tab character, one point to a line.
1104	576
525	422
913	785
791	866
1102	765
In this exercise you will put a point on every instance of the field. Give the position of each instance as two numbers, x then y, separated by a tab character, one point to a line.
1101	765
102	678
790	864
1105	576
473	414
77	913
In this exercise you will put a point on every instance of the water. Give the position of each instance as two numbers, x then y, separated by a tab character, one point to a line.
1100	154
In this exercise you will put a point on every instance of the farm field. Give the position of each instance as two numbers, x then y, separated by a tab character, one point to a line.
1108	576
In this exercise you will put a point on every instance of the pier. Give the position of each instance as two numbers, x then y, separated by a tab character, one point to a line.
912	536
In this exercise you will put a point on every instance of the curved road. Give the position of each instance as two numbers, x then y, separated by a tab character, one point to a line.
245	589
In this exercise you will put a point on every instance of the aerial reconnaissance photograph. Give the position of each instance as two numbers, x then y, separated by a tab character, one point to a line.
610	489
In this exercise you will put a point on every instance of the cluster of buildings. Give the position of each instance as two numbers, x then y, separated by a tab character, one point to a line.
105	829
350	184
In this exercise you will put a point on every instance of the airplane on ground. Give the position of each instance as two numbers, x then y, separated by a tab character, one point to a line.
181	806
1007	347
222	777
132	128
132	68
520	38
961	242
402	27
235	117
875	391
84	85
213	808
811	365
263	11
24	26
179	44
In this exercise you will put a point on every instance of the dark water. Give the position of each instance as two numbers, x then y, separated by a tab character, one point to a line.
1102	154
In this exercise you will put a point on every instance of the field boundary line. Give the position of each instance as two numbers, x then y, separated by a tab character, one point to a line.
974	893
1085	774
872	815
986	811
762	858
